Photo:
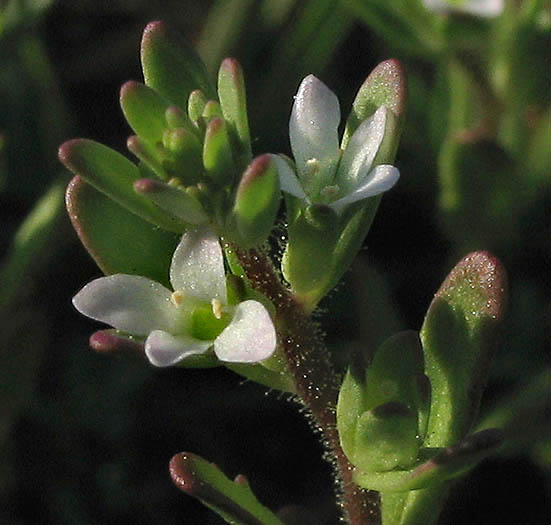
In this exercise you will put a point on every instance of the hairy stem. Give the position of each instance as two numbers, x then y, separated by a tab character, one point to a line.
316	383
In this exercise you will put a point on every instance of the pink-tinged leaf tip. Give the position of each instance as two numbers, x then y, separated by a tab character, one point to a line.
391	74
483	272
257	168
182	472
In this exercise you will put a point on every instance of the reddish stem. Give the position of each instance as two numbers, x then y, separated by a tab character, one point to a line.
316	383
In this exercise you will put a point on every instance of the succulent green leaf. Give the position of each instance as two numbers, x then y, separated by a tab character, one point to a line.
257	201
117	240
233	100
434	466
232	500
114	175
171	67
385	86
458	336
217	155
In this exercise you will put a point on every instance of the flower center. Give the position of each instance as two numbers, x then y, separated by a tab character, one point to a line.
201	320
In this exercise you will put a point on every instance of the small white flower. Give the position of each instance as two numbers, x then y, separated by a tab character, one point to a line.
483	8
143	307
326	175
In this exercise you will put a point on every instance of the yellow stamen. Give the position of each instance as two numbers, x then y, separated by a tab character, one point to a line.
216	308
177	297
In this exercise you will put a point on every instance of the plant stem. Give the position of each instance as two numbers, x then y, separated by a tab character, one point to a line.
316	384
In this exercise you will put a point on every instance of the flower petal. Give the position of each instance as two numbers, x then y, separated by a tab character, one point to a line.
486	8
250	337
130	303
381	179
164	349
288	181
313	128
361	150
198	266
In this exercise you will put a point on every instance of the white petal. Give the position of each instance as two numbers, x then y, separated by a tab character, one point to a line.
163	349
486	8
381	179
361	150
198	266
130	303
250	337
313	126
287	178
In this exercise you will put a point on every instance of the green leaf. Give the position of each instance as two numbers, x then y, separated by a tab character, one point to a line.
114	175
171	67
257	201
435	466
459	335
119	241
232	500
233	100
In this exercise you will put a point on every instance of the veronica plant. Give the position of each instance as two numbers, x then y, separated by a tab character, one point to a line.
180	236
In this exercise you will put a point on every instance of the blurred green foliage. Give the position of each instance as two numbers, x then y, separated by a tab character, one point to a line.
86	438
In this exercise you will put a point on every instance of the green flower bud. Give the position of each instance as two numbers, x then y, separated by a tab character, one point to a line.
257	201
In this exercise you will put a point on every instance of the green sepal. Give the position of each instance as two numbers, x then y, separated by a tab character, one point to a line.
257	201
434	465
308	258
171	67
179	202
117	240
233	100
217	155
386	86
114	175
196	105
232	500
458	336
386	438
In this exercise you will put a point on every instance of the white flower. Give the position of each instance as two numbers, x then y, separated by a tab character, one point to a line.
189	320
484	8
326	175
